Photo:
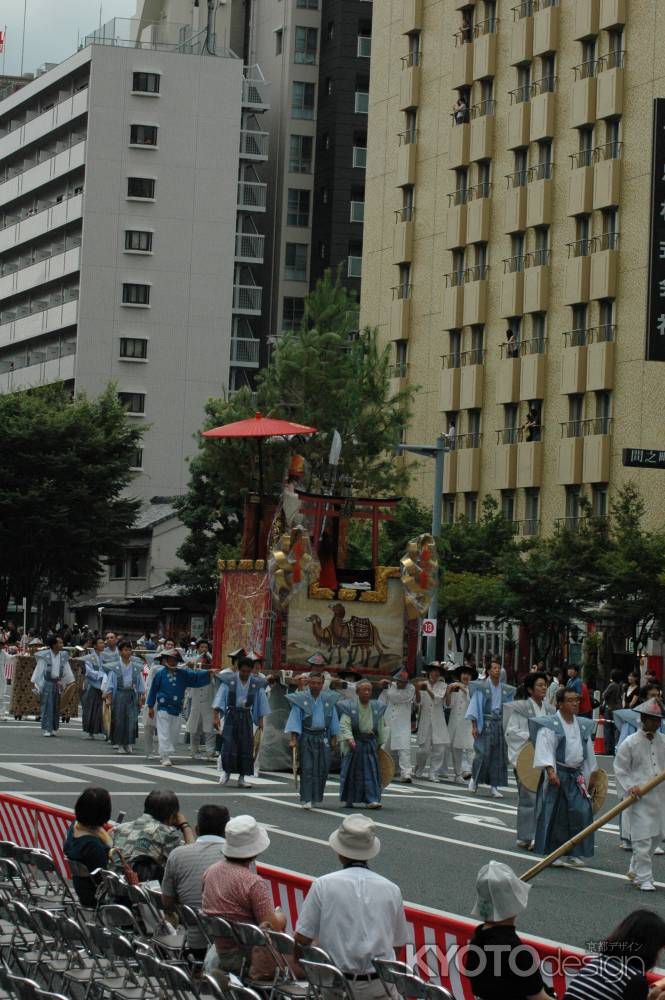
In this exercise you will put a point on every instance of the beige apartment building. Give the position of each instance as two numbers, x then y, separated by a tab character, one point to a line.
507	244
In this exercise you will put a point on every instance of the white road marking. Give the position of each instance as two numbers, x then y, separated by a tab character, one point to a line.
483	821
96	772
41	772
164	774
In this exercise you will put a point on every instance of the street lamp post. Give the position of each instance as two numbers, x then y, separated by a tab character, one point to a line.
435	451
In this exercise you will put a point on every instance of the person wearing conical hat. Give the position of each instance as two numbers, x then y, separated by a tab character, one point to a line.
640	758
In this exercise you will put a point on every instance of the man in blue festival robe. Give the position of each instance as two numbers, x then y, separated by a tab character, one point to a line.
490	762
361	732
564	751
242	703
313	725
167	695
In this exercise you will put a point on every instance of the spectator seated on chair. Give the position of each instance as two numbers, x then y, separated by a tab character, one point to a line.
232	891
186	865
87	842
147	841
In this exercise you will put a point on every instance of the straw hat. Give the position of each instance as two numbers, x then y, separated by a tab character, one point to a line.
244	838
355	838
653	708
500	894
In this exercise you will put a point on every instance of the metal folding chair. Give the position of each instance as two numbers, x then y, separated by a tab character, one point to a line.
435	992
311	953
241	993
171	945
283	948
406	984
49	885
326	977
249	936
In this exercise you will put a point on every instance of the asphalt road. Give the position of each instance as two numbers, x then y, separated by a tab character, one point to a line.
434	837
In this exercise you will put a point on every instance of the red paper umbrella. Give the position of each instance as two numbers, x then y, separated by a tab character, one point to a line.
259	427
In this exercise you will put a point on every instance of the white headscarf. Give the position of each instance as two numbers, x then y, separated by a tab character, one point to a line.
500	894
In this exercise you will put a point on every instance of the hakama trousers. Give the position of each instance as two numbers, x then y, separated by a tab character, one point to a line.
168	731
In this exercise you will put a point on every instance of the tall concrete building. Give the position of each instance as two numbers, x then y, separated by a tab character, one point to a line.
506	256
119	200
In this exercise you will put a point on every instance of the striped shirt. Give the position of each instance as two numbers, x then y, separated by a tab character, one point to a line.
607	977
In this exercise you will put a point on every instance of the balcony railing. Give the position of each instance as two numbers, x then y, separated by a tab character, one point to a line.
579	248
514	265
254	89
612	60
540	172
536	345
405	214
357	213
459	197
508	352
450	361
482	190
518	179
486	27
479	272
245	351
454	279
574	522
474	439
521	94
249	246
252	195
476	356
29	213
247	298
575	338
592	335
528	527
38	305
538	258
583	158
597	425
38	256
354	267
546	85
409	137
571	428
254	144
32	113
586	70
41	156
411	59
400	370
523	10
360	157
507	435
483	108
609	151
404	291
27	356
606	241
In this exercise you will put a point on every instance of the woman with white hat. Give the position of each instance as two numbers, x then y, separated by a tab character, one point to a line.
497	964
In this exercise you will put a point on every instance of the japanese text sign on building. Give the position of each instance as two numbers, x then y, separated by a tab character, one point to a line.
655	341
644	458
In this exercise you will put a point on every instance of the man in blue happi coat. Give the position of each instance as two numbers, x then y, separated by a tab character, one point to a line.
361	732
167	693
242	703
564	751
490	762
313	724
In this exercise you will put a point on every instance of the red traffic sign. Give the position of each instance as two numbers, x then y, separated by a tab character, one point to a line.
429	626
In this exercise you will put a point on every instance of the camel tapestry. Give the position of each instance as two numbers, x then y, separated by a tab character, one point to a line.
367	634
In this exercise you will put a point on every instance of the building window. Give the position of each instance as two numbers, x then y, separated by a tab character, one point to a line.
117	569
135	348
531	512
295	267
293	310
305	47
135	295
361	105
471	506
139	240
146	83
143	135
330	31
508	505
300	154
297	212
303	100
572	506
279	40
364	46
137	560
140	187
449	508
307	4
136	461
599	500
134	402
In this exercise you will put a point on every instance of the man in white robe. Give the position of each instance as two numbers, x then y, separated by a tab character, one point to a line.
639	759
433	738
399	697
516	730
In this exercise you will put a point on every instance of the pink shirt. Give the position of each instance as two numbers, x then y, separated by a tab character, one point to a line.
234	892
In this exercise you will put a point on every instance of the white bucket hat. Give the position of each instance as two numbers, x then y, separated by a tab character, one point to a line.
500	894
653	708
244	838
355	839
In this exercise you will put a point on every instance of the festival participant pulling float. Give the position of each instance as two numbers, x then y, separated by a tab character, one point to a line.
293	599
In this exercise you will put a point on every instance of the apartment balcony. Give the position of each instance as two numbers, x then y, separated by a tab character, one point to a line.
459	146
583	101
474	312
471	380
400	313
537	282
600	359
542	114
512	287
539	195
44	219
356	211
478	214
577	276
580	186
449	384
406	159
468	449
409	83
521	36
453	301
247	300
574	362
359	157
412	16
612	14
252	196
607	176
481	144
254	145
519	121
255	90
50	168
354	267
403	233
514	220
532	369
47	315
609	90
597	442
545	29
484	51
456	220
604	267
60	369
586	19
450	473
249	248
529	464
245	352
508	380
571	454
461	63
41	125
505	469
32	275
399	376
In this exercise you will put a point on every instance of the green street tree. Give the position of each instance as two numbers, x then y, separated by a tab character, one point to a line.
323	374
62	508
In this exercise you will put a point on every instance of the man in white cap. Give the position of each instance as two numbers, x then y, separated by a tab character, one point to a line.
355	914
640	758
399	696
509	968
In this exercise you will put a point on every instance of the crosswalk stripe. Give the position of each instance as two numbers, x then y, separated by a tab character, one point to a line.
95	772
167	773
45	772
214	773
